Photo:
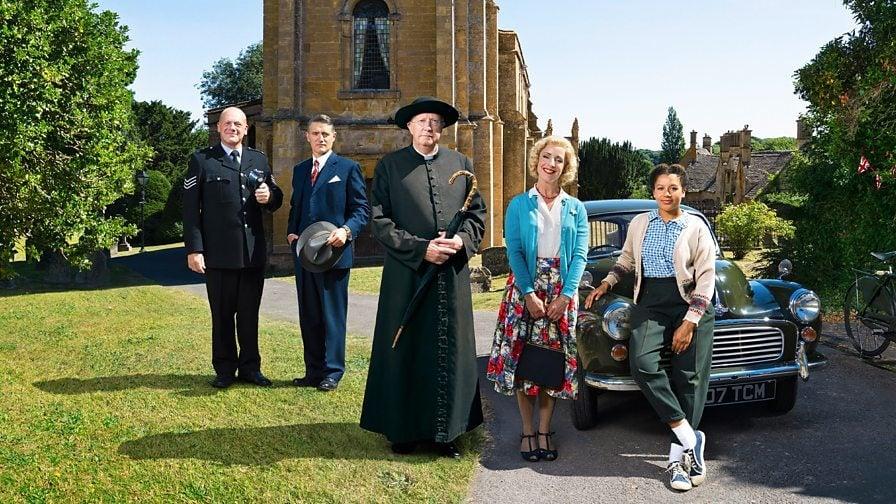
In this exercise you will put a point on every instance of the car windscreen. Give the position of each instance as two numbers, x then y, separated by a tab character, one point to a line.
608	234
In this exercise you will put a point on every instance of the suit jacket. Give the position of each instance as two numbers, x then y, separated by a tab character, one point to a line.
339	196
222	219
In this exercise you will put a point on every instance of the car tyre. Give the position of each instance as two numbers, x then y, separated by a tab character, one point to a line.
584	408
785	395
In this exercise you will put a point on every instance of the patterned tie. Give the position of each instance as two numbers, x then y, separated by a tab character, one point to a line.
315	171
235	155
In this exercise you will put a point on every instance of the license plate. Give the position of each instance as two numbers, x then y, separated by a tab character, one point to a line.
741	393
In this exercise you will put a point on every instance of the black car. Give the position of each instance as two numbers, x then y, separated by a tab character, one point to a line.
766	331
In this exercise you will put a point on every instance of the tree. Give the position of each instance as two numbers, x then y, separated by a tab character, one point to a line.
850	86
672	147
233	81
173	136
610	170
783	143
65	111
744	225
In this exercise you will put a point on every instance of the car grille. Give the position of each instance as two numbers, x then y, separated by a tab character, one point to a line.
742	345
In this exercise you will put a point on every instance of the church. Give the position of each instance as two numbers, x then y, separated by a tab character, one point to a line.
359	60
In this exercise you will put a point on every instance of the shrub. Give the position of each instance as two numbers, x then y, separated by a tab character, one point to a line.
744	225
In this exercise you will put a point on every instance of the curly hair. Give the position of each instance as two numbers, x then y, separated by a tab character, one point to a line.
570	160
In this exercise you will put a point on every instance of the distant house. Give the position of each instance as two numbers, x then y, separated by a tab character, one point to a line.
734	175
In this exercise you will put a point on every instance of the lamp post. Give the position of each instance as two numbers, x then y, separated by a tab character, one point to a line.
142	177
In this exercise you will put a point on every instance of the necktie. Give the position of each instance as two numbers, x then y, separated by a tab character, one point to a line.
235	155
315	171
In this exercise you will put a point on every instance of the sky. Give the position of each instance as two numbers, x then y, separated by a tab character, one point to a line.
617	65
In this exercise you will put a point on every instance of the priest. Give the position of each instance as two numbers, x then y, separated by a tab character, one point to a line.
424	391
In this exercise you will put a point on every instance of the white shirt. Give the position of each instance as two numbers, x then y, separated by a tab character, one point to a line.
427	157
228	150
321	160
548	224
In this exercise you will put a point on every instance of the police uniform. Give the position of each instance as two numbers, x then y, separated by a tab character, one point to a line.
223	221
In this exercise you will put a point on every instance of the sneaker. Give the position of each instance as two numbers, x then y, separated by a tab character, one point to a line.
678	477
694	462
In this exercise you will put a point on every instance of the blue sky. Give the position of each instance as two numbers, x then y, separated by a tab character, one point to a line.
616	65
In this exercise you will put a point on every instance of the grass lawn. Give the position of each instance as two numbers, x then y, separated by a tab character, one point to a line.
106	399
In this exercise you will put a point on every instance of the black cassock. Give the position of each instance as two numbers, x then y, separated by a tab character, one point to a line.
427	388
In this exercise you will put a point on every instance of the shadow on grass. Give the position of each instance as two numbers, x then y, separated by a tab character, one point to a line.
254	446
186	384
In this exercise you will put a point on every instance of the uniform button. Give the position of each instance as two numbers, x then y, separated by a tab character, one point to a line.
244	199
246	225
244	187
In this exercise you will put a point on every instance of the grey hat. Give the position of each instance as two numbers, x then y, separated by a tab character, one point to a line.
423	104
312	249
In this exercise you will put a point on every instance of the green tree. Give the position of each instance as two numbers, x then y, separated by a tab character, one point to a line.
743	226
773	144
610	170
232	81
672	146
173	136
65	111
850	86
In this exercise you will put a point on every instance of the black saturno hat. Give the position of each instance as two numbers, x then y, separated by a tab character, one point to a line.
312	249
423	104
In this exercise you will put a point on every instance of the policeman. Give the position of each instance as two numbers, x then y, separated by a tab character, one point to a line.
225	241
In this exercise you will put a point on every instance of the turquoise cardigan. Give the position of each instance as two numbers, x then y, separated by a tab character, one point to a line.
520	235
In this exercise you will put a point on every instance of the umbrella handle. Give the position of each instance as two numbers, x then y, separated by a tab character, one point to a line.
473	189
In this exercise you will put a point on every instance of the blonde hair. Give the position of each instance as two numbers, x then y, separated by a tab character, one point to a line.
570	160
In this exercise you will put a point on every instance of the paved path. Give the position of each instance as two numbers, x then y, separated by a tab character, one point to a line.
837	445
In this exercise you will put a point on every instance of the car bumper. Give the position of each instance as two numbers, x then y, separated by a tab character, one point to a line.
720	376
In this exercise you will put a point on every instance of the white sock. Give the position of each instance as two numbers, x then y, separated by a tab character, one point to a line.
676	451
686	435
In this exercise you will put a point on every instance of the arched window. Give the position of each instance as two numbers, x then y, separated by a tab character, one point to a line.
370	45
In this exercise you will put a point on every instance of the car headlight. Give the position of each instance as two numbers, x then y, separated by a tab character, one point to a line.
616	320
805	305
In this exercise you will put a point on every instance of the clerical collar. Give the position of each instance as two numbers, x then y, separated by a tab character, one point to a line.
427	157
228	150
323	159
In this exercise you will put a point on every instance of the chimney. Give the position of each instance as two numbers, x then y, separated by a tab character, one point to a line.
707	142
693	139
802	133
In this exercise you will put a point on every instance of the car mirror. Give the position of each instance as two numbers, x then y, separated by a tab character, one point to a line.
785	268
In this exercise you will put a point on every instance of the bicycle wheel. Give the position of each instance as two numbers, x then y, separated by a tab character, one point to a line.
867	332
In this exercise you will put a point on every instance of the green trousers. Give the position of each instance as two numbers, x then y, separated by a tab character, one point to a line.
678	391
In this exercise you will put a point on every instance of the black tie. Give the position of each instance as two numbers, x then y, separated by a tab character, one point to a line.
235	155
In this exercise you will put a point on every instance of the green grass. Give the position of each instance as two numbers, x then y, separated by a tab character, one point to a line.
106	399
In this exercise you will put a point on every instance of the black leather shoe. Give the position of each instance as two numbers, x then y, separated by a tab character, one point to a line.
305	382
222	381
257	378
403	448
327	385
449	450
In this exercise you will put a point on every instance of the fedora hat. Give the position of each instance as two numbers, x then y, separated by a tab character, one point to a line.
423	104
312	249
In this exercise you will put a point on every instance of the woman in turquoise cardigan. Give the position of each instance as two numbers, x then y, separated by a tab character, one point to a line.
546	232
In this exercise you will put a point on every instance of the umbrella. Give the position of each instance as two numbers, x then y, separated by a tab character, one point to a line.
431	270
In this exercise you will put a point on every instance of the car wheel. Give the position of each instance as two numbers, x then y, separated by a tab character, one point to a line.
785	395
584	408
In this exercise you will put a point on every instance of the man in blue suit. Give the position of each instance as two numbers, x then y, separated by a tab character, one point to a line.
327	188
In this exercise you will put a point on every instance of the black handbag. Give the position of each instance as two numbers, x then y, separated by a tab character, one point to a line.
539	364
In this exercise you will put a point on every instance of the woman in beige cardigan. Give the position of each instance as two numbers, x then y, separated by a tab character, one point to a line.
672	255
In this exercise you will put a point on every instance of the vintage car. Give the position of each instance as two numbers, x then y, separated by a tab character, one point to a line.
766	332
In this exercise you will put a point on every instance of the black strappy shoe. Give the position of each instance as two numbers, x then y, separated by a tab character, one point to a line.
534	453
547	453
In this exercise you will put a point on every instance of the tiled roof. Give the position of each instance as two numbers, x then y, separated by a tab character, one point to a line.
763	166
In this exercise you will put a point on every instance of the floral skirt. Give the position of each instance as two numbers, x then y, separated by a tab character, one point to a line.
510	334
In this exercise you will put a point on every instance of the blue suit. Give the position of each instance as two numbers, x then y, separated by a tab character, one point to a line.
338	196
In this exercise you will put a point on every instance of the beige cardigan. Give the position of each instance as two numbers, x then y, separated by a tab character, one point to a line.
693	259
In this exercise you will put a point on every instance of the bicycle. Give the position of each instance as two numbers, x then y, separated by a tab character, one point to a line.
869	310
